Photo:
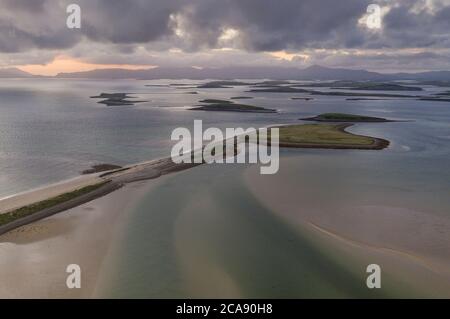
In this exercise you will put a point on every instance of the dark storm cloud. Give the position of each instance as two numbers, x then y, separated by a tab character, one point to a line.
136	21
405	26
262	25
26	25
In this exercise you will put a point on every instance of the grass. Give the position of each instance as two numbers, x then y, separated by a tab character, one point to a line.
36	207
317	134
346	117
224	105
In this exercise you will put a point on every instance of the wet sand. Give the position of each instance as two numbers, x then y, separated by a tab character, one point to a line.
34	257
216	240
410	246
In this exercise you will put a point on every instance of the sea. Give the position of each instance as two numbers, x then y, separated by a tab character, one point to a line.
51	130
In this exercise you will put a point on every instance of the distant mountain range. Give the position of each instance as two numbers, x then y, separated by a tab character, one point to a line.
14	73
314	72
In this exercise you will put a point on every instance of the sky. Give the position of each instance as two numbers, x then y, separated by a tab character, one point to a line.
414	35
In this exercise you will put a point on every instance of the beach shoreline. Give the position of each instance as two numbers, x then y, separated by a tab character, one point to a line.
117	178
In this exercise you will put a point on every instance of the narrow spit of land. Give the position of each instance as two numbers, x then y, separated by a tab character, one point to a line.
327	136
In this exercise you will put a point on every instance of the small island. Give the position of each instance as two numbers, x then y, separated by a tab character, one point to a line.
279	89
362	85
342	117
229	106
434	99
297	89
115	99
241	98
221	84
364	99
327	136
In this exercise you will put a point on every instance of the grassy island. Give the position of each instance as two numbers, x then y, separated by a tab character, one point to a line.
221	84
362	85
115	99
342	117
328	136
229	106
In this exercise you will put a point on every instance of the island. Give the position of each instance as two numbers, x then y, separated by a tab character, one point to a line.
434	99
280	89
115	99
229	106
384	87
295	89
241	98
327	136
365	99
221	84
342	117
362	85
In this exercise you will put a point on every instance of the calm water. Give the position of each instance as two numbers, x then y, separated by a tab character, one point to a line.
216	233
51	130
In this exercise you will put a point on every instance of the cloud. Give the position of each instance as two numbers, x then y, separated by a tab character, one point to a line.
147	29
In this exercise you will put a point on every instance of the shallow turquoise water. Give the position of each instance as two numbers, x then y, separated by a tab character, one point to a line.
202	234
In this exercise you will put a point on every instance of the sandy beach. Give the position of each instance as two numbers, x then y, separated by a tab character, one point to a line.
34	257
16	201
411	247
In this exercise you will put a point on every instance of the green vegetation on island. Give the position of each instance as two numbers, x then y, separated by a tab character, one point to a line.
434	99
221	84
115	99
230	106
241	98
328	136
342	117
280	89
334	93
362	85
292	89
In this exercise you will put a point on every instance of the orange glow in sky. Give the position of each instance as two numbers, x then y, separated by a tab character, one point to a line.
68	64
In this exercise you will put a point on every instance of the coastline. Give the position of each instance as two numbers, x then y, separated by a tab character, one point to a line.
34	257
117	178
61	239
377	144
113	180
